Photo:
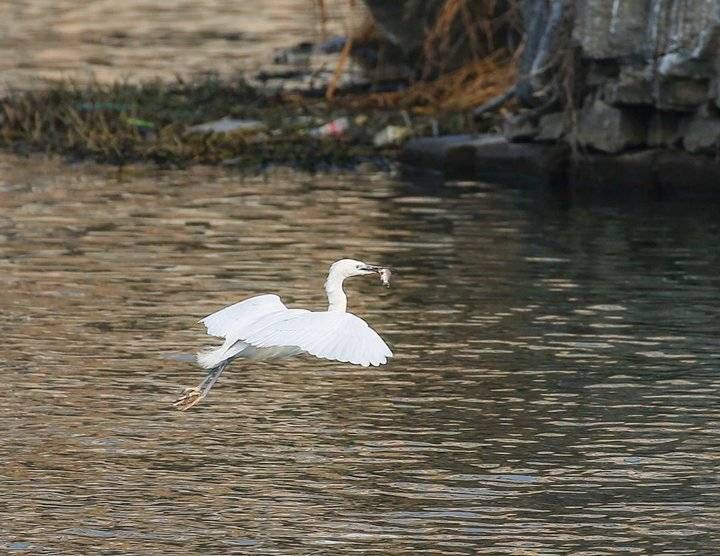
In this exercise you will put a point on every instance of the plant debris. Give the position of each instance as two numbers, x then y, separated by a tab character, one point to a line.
210	121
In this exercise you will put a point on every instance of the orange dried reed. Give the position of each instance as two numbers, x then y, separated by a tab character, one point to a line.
463	89
490	71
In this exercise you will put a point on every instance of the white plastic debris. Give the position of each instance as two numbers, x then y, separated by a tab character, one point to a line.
229	125
391	135
335	128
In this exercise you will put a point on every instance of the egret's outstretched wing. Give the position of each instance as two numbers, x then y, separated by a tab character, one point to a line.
332	335
231	320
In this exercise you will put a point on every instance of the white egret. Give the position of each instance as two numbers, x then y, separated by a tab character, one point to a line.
262	328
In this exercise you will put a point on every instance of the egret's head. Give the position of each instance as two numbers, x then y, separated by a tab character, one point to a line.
346	268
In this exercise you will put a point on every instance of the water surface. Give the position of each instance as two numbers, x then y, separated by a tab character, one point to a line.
140	40
555	388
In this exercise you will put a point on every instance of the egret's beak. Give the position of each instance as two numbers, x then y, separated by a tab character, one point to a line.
371	268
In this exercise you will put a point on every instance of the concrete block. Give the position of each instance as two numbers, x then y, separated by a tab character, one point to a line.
701	133
552	127
489	158
610	129
603	171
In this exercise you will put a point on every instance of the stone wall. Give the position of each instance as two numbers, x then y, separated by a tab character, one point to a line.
644	74
605	75
620	97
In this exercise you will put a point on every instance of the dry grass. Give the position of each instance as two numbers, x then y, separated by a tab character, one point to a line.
124	123
463	28
120	124
456	91
466	27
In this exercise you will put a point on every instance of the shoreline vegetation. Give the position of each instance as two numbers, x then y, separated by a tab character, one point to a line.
213	121
493	79
367	97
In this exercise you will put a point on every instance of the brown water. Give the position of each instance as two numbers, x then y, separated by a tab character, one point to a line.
136	40
555	388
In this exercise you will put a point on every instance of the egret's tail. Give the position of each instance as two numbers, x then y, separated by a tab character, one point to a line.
211	357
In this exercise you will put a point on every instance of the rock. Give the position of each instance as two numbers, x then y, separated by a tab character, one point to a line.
403	26
657	55
610	29
489	158
678	65
551	127
606	172
689	176
600	72
688	41
632	87
664	129
656	173
333	45
702	132
610	129
519	128
453	155
640	173
548	32
681	94
628	62
296	55
521	164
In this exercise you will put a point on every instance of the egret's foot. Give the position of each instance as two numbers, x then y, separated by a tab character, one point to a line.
192	396
189	398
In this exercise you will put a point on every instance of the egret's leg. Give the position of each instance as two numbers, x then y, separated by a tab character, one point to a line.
192	396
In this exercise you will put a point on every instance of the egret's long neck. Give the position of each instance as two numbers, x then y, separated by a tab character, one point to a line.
337	300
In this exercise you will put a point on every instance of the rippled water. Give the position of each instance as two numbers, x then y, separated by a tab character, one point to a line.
135	40
555	388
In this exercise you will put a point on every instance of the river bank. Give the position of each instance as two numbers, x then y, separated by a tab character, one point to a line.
246	90
318	104
235	125
210	121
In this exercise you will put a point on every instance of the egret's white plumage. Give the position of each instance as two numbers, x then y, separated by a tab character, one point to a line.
262	328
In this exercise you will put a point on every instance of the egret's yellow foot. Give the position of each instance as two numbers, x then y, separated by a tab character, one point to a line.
189	398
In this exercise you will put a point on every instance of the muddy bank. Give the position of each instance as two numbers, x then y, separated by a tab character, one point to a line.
306	103
210	121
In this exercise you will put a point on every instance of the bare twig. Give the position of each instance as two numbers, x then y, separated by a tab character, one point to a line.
344	56
494	103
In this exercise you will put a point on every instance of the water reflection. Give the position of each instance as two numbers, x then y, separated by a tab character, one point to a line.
138	40
554	391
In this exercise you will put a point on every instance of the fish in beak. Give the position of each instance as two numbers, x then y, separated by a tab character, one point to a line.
383	271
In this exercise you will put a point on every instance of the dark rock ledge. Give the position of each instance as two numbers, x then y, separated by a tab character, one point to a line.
493	158
613	95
